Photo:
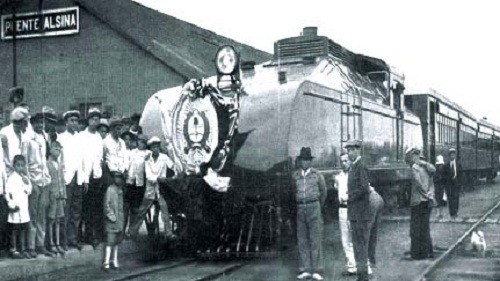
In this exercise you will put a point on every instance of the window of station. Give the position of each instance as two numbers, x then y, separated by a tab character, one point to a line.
446	130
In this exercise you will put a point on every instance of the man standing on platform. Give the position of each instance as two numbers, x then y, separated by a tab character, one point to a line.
345	228
453	185
34	151
360	214
92	173
310	194
422	201
72	155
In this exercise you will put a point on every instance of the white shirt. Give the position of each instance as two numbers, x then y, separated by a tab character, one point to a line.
14	143
137	164
72	148
154	170
342	186
93	151
2	172
454	167
16	194
115	154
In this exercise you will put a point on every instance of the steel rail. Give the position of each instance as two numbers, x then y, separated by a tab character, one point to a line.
434	265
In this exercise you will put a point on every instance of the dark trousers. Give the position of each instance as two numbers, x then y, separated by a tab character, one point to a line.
131	203
453	193
364	242
93	210
420	233
4	226
310	237
72	212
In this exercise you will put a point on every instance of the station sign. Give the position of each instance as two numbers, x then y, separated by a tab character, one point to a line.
52	22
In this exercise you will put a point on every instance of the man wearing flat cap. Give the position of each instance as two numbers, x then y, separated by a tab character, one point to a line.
115	151
92	174
358	212
422	201
453	174
34	149
310	195
72	151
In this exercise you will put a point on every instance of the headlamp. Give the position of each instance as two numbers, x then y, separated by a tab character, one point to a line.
226	60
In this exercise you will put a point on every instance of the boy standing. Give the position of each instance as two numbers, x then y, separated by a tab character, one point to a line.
156	167
113	219
57	189
17	190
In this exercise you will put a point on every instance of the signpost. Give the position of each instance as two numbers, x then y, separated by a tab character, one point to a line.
53	22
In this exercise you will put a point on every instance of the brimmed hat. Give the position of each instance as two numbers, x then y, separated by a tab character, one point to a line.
103	122
452	150
154	140
93	112
305	153
19	113
48	113
15	91
115	121
71	113
353	143
412	150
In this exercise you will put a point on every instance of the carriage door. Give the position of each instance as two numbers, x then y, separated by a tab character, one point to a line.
351	116
432	131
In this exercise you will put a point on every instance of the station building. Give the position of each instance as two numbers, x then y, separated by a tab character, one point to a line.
111	54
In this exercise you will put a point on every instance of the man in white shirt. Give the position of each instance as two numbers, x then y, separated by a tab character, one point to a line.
345	228
4	211
158	167
115	152
92	174
13	136
72	147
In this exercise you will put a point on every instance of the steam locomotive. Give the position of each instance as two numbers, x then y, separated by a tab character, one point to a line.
235	136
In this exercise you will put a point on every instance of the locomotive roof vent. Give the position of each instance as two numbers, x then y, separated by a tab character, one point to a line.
309	44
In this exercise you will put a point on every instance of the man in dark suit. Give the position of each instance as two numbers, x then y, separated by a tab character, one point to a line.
453	175
363	210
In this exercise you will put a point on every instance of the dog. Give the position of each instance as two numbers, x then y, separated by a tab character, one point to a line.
478	242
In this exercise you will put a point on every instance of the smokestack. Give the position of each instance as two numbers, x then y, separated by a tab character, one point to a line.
310	31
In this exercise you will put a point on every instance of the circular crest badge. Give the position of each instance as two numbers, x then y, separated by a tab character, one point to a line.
195	132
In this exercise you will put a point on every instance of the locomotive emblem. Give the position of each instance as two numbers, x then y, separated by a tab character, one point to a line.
196	131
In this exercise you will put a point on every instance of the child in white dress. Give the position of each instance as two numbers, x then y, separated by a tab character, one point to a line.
17	190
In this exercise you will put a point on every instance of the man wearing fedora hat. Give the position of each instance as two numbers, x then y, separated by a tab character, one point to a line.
422	201
34	149
453	174
310	195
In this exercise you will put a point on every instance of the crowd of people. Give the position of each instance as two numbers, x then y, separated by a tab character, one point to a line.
67	180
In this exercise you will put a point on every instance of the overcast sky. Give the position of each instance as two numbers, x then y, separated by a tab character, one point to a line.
450	46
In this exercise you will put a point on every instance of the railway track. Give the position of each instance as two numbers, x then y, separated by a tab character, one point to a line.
461	262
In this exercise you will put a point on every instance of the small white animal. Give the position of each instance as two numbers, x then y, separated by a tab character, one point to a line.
477	241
